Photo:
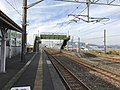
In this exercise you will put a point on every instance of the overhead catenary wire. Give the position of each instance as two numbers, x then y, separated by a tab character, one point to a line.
115	35
100	4
16	3
102	25
13	7
67	18
96	30
85	8
80	13
70	21
94	3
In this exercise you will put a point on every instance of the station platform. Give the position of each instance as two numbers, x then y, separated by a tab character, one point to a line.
36	72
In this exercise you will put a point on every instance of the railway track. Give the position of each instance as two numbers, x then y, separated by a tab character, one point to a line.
112	59
70	81
104	72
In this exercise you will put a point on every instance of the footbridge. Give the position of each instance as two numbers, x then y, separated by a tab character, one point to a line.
55	36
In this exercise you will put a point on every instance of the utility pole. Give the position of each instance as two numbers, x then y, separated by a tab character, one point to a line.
78	44
24	17
72	42
105	47
68	42
38	33
24	24
88	5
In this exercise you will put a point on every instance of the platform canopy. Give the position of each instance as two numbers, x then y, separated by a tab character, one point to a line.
6	22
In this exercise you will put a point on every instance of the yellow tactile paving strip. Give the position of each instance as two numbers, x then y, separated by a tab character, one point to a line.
39	75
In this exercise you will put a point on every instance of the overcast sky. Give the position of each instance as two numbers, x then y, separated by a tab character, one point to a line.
52	16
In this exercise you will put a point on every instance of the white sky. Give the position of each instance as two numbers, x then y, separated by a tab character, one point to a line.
52	16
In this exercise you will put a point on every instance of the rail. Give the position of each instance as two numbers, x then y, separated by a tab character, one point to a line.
104	72
70	81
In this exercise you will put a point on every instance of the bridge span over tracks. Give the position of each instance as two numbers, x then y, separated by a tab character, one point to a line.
55	36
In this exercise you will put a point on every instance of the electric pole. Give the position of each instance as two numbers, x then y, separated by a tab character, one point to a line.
88	4
24	17
105	47
68	42
24	24
72	43
78	44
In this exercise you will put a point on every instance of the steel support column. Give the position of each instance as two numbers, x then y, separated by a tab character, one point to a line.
3	49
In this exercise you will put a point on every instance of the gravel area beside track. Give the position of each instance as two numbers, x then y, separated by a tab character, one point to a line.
87	76
106	64
98	62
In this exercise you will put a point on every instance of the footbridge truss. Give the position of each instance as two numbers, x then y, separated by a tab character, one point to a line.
55	36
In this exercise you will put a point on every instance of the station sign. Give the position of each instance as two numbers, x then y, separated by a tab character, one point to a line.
21	88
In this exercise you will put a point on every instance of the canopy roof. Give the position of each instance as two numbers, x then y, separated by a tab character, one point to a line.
8	23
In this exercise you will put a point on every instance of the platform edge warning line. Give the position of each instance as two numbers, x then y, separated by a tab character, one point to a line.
39	75
17	76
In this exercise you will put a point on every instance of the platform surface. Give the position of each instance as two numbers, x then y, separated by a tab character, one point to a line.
38	75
